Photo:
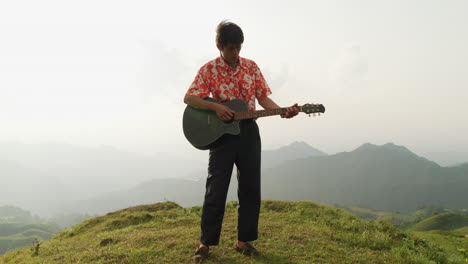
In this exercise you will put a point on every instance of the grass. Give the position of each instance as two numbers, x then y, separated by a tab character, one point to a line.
290	232
455	244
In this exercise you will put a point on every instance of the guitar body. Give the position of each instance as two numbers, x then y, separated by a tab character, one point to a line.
203	127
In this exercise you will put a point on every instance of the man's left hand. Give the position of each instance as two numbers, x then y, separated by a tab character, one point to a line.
292	111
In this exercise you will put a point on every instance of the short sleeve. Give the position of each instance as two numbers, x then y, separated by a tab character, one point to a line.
261	86
199	87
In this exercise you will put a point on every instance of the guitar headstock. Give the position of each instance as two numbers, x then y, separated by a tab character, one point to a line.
313	109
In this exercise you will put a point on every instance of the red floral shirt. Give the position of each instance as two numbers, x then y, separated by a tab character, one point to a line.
224	83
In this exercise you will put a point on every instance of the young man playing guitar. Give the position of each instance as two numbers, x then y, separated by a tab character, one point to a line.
225	78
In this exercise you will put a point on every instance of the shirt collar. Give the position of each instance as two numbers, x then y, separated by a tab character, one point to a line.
220	62
242	63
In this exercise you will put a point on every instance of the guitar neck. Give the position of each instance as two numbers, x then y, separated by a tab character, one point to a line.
260	113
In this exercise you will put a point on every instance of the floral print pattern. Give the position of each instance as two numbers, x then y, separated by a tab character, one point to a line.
246	82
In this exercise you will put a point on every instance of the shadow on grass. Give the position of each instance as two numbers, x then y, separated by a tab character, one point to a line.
269	258
266	258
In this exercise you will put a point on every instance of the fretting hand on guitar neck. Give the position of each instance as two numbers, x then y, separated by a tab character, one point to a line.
268	103
225	113
202	127
291	111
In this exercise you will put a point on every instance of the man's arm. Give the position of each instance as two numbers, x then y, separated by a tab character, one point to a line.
198	102
223	112
267	103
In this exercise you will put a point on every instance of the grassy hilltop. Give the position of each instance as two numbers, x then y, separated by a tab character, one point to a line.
290	232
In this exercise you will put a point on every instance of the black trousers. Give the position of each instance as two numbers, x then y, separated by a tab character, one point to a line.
244	150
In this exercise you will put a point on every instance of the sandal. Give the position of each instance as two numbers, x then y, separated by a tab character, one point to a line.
247	250
201	254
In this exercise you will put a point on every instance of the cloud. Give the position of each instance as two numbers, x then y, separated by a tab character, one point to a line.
164	73
276	79
350	67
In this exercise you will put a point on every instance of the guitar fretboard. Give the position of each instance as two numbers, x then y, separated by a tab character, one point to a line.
259	113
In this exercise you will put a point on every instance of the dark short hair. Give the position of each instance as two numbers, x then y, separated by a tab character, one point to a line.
228	33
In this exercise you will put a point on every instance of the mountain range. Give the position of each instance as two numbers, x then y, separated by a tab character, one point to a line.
386	177
52	179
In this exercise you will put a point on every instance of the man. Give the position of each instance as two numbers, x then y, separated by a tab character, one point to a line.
225	78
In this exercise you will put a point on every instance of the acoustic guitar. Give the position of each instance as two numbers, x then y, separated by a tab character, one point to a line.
202	127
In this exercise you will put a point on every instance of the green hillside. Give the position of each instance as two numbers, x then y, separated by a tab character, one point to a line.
449	231
14	235
463	230
290	232
394	218
454	243
402	220
444	221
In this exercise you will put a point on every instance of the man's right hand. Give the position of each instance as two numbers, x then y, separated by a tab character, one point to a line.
224	113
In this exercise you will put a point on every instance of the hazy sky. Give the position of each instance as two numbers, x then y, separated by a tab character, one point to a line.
115	72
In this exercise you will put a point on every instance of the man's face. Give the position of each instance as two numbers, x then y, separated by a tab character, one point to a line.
230	52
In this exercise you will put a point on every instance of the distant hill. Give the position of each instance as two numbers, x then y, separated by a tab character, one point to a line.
15	235
300	232
404	220
463	230
24	187
16	214
19	228
444	221
96	165
447	158
295	150
185	192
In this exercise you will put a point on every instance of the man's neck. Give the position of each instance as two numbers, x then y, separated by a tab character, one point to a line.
231	65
